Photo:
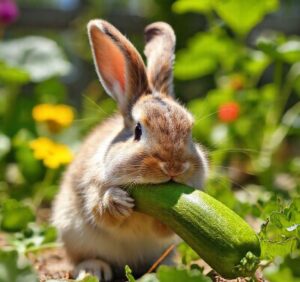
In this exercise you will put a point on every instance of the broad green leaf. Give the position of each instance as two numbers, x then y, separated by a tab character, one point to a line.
205	52
280	235
183	6
40	57
273	249
191	66
172	274
15	269
243	15
15	215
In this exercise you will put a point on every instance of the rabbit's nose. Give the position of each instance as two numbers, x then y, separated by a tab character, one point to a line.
174	169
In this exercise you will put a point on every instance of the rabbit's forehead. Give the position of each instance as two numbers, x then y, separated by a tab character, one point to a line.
162	113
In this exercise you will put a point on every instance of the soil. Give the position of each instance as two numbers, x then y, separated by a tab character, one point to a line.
53	264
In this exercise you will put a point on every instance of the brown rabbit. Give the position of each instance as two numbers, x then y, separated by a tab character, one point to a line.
150	141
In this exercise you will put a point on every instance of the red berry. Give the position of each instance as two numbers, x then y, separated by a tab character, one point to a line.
228	112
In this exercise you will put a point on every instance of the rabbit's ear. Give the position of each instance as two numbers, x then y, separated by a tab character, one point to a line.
120	68
159	50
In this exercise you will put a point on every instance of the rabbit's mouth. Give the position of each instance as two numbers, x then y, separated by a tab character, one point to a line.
177	179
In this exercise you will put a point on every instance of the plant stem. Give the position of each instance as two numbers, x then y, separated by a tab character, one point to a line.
49	176
10	107
278	86
48	180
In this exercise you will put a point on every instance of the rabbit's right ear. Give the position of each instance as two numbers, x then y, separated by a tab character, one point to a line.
159	50
120	68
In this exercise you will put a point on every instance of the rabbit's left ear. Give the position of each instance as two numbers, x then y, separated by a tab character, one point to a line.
159	50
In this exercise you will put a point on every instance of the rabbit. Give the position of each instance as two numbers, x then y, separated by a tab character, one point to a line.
148	141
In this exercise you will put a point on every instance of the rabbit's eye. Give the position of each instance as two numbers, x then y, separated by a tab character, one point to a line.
138	132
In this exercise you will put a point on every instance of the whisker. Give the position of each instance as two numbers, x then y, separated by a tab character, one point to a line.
233	168
84	119
94	103
237	150
197	119
245	190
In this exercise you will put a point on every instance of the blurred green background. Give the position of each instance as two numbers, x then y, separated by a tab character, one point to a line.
237	70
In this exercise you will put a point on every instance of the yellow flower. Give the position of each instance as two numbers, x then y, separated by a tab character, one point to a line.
52	154
55	116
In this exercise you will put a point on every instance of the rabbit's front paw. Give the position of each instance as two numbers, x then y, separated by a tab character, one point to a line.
117	202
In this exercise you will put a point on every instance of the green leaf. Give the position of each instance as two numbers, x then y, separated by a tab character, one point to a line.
190	66
34	238
271	250
183	6
14	269
187	254
30	167
203	55
9	74
290	51
39	56
15	215
172	274
279	275
278	47
149	277
51	91
269	45
128	273
243	15
280	235
255	63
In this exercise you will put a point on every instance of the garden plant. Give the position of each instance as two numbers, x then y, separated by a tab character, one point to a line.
247	119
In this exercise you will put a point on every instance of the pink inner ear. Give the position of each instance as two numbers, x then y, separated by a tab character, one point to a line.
109	59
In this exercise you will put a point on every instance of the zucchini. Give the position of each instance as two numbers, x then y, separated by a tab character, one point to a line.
220	237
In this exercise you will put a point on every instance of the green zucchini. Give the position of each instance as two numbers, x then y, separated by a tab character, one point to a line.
220	237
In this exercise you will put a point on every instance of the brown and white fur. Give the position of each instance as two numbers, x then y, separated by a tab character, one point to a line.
93	214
